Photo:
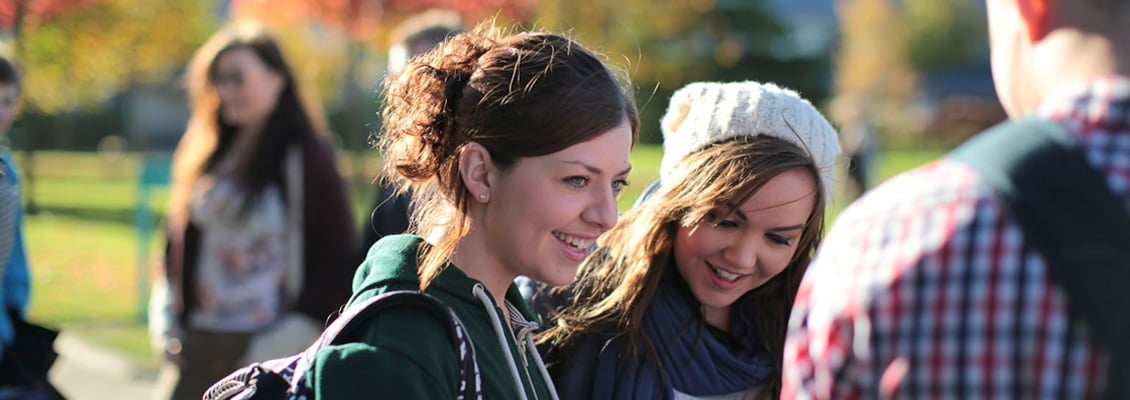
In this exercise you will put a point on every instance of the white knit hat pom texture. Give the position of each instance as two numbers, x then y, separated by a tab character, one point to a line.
703	113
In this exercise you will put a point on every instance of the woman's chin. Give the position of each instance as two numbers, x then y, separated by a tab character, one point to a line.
561	277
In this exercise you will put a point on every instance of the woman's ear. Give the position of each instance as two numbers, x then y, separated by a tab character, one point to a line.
476	170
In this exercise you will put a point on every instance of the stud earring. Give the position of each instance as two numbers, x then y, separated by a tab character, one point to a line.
483	196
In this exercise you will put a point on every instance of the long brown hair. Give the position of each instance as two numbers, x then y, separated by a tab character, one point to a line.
524	95
620	279
208	137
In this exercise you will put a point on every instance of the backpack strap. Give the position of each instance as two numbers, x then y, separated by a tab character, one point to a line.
356	317
1068	213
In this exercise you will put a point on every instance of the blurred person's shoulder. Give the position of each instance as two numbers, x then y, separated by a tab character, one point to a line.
920	193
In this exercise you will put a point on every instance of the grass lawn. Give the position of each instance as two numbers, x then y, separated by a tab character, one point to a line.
894	162
84	247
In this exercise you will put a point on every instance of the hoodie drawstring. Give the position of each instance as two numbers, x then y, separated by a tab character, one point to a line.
488	303
481	294
541	366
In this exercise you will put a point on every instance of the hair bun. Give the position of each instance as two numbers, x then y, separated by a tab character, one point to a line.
425	97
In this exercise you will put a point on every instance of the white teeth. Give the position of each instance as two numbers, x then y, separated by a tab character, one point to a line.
725	275
573	241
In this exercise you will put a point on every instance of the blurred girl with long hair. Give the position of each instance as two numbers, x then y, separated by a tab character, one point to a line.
260	237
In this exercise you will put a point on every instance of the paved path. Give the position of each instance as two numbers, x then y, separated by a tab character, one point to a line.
86	372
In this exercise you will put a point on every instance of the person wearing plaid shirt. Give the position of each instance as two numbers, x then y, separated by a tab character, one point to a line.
926	287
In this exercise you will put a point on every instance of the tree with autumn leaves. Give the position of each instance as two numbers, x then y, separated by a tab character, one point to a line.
661	50
338	45
78	53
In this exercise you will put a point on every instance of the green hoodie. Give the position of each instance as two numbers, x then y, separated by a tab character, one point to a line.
407	353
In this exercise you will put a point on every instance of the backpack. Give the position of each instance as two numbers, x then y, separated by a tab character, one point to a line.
1067	212
284	378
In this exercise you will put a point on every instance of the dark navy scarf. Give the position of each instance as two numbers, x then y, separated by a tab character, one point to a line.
693	360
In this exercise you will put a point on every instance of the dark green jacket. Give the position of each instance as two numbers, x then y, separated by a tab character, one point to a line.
407	353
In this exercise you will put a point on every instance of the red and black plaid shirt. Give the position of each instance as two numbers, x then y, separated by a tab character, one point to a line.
925	287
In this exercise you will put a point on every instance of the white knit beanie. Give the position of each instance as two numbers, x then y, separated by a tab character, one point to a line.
703	113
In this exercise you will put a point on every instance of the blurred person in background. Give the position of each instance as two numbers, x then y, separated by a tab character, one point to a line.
413	37
261	240
26	350
929	287
15	282
860	142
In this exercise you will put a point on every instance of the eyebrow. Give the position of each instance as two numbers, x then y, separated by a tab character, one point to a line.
796	227
596	170
741	215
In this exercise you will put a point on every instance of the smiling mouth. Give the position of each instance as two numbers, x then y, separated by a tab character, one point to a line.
727	275
573	241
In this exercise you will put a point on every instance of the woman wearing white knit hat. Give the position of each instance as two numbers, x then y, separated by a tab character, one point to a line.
688	296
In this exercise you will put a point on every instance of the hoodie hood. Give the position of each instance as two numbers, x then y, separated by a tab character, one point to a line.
505	351
392	264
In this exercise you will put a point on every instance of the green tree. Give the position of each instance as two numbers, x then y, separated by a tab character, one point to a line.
691	40
83	56
78	53
942	34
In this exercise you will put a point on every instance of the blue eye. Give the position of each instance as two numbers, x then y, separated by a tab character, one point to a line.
577	181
